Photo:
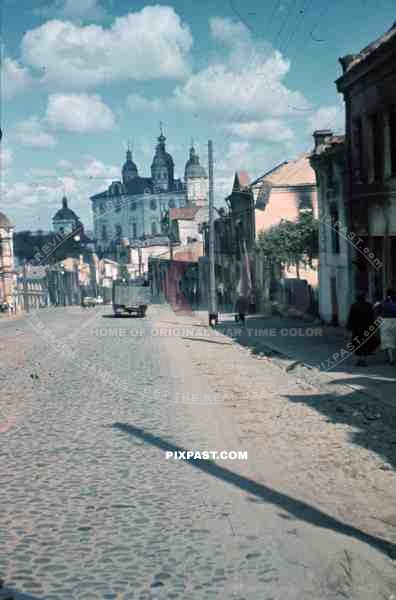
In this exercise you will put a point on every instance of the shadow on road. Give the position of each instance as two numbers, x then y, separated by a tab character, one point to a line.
301	510
12	594
373	425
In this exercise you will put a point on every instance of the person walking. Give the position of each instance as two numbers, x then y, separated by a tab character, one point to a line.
387	311
242	308
361	318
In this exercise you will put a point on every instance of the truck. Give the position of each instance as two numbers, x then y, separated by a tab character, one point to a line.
131	297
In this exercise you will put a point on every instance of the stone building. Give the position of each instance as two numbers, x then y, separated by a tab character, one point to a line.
282	193
7	274
328	161
66	219
368	84
134	208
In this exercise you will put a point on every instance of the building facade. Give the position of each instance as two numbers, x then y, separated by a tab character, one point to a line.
134	208
282	193
335	270
368	84
65	220
7	274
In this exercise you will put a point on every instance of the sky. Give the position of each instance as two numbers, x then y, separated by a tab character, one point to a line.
82	78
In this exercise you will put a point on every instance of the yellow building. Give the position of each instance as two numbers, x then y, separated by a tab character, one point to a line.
7	274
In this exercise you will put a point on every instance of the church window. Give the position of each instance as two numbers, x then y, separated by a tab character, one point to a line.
134	231
104	233
154	228
153	204
118	229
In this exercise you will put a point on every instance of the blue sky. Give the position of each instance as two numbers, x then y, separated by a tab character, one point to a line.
79	78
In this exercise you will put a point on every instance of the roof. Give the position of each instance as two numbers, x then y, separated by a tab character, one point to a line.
327	144
293	173
185	213
241	180
5	221
138	186
350	61
65	213
190	253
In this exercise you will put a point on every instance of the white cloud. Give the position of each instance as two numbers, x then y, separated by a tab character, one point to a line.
270	130
15	78
246	84
79	113
32	132
150	44
6	158
327	117
73	10
96	169
35	203
225	30
136	102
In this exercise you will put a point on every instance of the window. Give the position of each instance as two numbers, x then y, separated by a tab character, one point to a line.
118	230
153	204
154	229
134	231
118	208
392	127
104	233
132	204
335	236
358	150
377	142
171	203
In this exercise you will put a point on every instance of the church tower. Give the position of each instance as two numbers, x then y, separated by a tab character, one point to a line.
162	167
196	180
129	170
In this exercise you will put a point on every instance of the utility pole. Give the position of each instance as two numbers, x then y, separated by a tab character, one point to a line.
25	289
213	316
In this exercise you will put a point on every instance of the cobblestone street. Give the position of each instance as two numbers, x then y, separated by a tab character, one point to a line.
90	508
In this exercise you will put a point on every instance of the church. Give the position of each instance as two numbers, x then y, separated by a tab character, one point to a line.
134	209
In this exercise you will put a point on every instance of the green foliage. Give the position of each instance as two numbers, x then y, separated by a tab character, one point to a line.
290	243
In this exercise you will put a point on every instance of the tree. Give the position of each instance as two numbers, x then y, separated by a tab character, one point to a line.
290	243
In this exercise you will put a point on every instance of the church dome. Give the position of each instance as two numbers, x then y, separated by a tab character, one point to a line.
5	222
129	170
65	213
162	158
193	168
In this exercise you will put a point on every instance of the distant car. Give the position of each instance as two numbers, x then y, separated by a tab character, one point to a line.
99	300
89	301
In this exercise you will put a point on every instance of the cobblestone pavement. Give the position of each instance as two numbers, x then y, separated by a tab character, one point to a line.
90	507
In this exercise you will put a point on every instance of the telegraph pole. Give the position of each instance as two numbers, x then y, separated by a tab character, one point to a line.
25	288
213	316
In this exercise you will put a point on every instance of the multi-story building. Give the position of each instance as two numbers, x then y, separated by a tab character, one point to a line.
134	208
282	193
7	274
368	84
328	161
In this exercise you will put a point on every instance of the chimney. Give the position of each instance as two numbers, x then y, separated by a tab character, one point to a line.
322	137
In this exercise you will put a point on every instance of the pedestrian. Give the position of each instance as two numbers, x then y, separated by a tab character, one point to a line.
220	295
361	318
242	307
387	310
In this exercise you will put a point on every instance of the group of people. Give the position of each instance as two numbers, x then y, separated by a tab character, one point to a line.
373	326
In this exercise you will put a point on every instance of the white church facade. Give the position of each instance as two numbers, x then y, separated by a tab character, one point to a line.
134	209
